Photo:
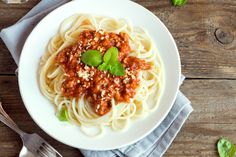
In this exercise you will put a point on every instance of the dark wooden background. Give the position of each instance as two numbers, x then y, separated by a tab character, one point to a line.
205	32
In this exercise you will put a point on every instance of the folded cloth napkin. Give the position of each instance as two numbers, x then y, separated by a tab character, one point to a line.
153	145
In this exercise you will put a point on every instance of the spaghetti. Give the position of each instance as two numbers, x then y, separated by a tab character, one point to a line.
70	84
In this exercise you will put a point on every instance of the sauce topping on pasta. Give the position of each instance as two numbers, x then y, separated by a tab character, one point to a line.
99	87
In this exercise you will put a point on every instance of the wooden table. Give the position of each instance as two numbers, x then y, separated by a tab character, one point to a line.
205	32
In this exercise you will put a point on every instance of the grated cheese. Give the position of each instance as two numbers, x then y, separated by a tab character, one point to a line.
84	74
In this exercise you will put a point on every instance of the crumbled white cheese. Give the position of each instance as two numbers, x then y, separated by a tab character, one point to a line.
118	44
106	36
88	45
78	61
98	106
126	80
86	67
92	73
103	93
84	74
101	32
117	81
100	49
95	39
71	57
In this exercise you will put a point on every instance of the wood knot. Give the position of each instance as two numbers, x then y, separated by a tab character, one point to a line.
224	36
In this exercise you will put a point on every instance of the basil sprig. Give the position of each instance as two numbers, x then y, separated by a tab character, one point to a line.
179	2
62	114
226	148
109	62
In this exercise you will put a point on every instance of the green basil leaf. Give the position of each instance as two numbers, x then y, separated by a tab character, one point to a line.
114	54
117	69
103	66
62	114
107	56
179	2
92	57
226	148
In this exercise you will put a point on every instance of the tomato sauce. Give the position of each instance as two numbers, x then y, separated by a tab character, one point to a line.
99	87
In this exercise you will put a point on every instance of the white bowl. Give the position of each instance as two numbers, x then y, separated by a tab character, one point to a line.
42	111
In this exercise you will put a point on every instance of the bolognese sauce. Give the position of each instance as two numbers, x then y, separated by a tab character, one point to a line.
99	87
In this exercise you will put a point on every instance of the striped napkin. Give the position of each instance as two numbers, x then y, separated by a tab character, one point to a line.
153	145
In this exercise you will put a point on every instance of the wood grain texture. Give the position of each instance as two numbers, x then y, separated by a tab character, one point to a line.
193	26
214	103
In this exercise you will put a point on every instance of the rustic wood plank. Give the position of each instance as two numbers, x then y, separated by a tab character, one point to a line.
193	27
10	143
7	64
10	13
214	103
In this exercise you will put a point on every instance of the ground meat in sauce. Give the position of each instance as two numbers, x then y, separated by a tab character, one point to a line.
99	87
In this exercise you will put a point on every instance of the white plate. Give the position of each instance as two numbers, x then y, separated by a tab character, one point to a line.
42	111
